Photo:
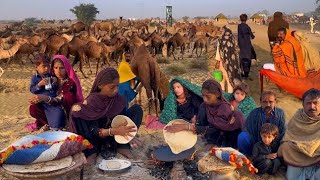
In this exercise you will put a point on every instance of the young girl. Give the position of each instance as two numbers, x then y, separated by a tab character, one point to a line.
240	99
217	120
182	102
92	119
68	92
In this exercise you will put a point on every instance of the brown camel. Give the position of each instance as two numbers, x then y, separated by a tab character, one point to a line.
176	41
145	67
136	42
103	26
77	27
200	42
4	54
90	50
26	49
52	44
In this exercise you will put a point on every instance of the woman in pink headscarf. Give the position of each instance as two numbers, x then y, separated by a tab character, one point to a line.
69	91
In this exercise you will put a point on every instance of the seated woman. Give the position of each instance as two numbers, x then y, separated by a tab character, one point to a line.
216	120
182	102
240	99
92	119
69	92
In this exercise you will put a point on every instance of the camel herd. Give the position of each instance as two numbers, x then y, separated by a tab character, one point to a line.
105	42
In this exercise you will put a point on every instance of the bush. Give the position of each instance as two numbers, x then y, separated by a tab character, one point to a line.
176	69
199	64
163	60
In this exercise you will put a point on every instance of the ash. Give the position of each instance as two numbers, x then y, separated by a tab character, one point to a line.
162	171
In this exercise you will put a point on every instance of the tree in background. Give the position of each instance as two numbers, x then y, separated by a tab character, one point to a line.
85	12
31	21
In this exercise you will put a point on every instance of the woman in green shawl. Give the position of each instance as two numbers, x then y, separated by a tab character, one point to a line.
182	102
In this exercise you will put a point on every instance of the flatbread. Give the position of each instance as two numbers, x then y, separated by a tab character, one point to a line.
118	121
113	165
180	141
42	167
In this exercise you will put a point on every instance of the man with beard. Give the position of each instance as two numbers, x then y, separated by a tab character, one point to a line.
267	113
288	55
300	148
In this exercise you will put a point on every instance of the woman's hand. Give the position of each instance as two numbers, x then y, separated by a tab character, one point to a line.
177	128
38	98
124	130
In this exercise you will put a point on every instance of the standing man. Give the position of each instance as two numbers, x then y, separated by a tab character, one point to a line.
277	23
267	113
247	52
300	148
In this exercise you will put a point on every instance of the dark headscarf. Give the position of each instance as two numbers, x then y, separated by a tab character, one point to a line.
96	105
220	114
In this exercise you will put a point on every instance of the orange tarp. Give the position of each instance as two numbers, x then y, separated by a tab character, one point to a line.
295	86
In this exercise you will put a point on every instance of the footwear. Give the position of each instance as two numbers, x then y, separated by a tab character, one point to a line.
32	127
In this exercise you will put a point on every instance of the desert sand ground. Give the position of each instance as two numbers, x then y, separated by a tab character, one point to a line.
14	94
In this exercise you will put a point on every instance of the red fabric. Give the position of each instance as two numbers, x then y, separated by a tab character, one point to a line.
38	113
152	122
295	86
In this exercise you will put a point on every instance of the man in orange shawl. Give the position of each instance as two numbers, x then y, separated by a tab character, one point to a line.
288	56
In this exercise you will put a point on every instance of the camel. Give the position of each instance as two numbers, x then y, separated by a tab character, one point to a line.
26	49
145	67
52	44
5	54
76	28
176	41
71	48
103	26
136	42
200	42
91	50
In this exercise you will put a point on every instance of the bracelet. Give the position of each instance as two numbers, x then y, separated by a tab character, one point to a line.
49	100
188	127
109	132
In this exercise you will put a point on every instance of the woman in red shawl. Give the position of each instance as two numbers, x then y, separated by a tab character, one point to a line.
92	118
216	119
69	91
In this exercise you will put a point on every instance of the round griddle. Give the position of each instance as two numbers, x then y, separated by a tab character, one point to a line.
165	154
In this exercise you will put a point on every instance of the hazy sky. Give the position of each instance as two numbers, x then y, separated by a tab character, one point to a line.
59	9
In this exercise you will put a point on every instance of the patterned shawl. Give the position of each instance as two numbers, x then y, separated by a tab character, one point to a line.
230	56
170	104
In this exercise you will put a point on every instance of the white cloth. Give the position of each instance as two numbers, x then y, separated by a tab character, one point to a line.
269	66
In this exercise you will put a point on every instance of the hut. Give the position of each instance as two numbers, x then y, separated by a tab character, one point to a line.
258	18
221	18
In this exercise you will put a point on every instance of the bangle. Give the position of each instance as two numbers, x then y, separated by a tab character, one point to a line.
109	132
49	100
188	127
